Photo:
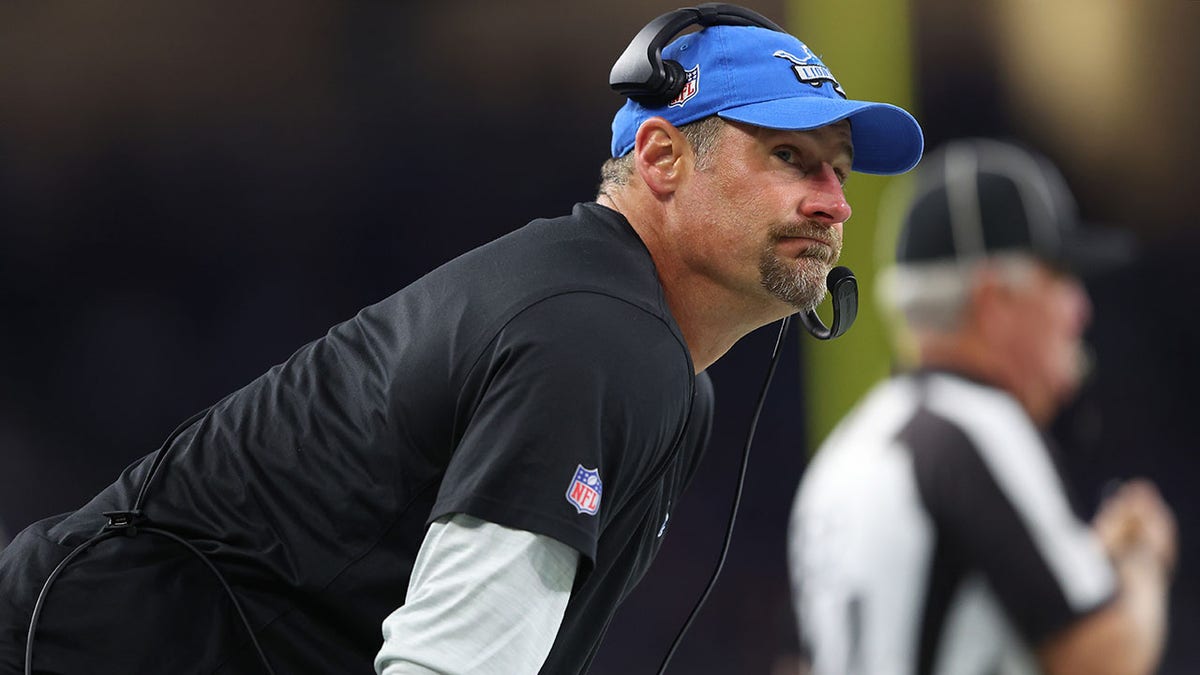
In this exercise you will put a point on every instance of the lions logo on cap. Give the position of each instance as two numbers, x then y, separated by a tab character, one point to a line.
810	70
691	85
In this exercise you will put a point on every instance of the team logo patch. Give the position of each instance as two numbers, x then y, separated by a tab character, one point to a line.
810	70
584	491
690	86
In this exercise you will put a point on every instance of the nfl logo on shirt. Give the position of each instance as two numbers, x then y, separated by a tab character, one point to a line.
585	489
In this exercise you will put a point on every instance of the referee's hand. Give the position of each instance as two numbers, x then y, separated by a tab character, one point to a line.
1136	521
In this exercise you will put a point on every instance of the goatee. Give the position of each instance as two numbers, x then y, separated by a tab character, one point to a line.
800	282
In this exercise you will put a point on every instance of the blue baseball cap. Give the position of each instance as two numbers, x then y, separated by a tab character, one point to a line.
770	79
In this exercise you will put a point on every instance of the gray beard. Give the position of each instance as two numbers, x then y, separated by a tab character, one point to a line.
801	286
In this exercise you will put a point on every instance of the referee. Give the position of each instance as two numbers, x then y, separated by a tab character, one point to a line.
932	533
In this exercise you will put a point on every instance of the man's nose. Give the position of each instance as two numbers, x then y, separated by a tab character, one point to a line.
825	201
1081	304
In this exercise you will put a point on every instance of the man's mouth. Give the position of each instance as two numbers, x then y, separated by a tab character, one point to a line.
805	247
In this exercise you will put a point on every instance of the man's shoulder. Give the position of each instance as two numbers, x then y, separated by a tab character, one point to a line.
598	330
592	249
985	416
940	421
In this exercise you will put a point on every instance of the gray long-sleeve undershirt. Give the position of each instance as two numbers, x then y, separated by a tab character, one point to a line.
483	598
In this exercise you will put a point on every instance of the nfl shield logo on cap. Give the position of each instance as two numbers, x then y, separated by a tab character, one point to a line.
691	85
584	491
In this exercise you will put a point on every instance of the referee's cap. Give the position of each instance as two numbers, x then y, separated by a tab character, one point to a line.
771	79
977	197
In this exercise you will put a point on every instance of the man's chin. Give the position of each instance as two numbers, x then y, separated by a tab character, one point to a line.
800	284
806	296
815	275
812	302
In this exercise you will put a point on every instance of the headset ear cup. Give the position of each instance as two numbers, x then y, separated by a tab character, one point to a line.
641	74
673	80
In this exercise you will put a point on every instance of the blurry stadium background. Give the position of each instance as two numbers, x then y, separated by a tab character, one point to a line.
189	191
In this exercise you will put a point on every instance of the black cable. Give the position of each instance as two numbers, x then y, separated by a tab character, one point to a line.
41	600
131	523
737	496
107	533
163	453
262	656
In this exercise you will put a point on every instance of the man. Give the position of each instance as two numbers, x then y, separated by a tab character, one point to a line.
482	463
932	533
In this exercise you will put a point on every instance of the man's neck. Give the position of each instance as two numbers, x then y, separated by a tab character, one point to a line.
979	361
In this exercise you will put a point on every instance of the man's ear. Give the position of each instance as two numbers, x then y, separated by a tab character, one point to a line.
990	297
662	155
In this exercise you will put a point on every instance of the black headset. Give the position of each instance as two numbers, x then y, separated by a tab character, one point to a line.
642	74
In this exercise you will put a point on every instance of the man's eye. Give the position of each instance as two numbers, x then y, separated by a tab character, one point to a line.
786	155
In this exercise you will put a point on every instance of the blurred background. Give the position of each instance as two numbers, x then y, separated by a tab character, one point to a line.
190	191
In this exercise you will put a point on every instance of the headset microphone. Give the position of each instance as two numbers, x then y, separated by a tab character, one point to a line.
843	293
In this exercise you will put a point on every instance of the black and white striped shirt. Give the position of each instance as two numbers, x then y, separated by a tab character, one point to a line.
932	536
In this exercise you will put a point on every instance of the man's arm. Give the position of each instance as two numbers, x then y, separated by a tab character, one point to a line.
1127	636
483	598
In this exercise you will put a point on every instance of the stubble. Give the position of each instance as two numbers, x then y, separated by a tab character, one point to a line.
799	282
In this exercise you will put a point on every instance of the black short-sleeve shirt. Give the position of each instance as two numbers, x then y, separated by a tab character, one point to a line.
538	382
